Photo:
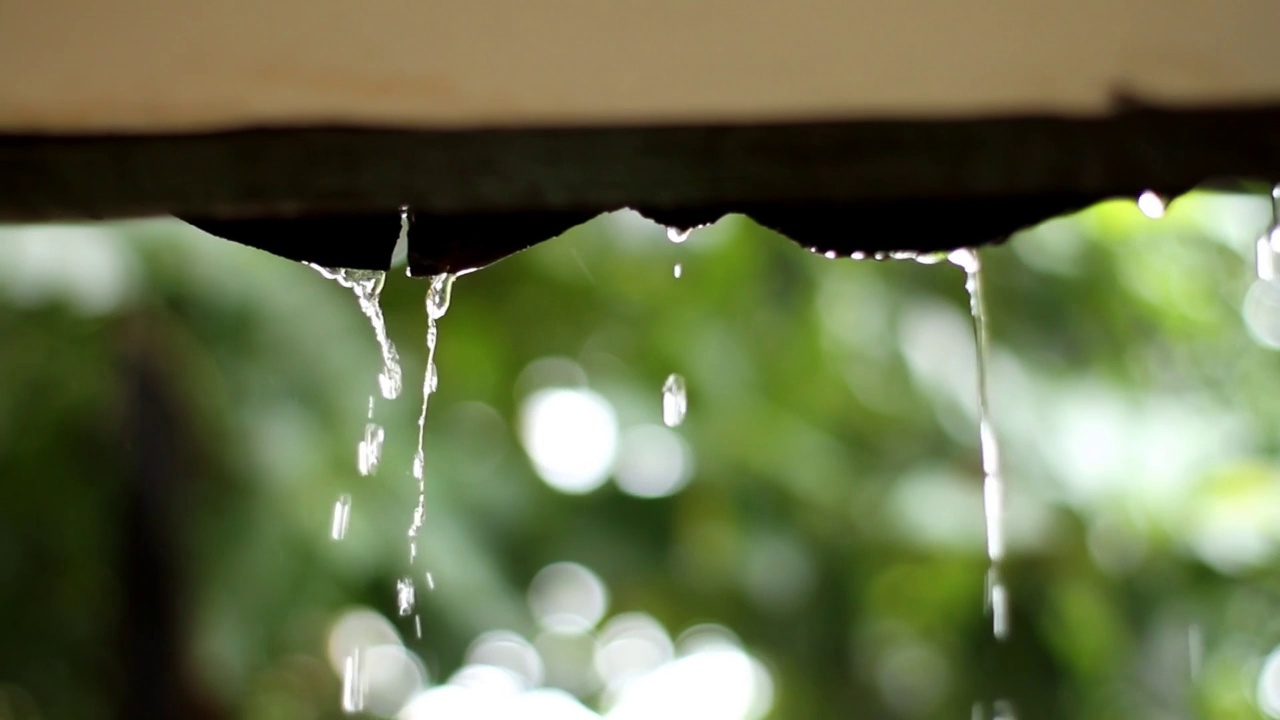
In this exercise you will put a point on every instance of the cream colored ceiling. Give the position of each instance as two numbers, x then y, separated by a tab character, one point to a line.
161	65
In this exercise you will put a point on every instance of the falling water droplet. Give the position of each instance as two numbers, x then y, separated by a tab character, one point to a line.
675	400
353	684
417	626
405	596
1151	205
676	235
369	452
431	581
1266	255
677	270
998	603
341	517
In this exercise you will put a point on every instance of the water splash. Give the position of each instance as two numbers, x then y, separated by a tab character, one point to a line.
353	684
367	287
675	400
341	517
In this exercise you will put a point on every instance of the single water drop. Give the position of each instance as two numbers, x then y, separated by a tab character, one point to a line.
431	581
341	517
405	596
676	235
830	254
998	604
675	400
858	255
677	271
369	415
417	626
1151	205
353	684
1266	255
369	452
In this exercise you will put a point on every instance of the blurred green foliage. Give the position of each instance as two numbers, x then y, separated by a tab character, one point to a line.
834	516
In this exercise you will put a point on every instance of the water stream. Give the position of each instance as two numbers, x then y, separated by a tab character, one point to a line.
366	285
439	292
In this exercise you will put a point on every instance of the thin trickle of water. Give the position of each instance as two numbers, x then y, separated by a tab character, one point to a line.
367	286
406	596
353	684
341	517
675	400
439	293
993	490
992	482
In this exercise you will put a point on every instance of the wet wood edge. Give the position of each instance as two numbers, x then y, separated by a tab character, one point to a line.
479	194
